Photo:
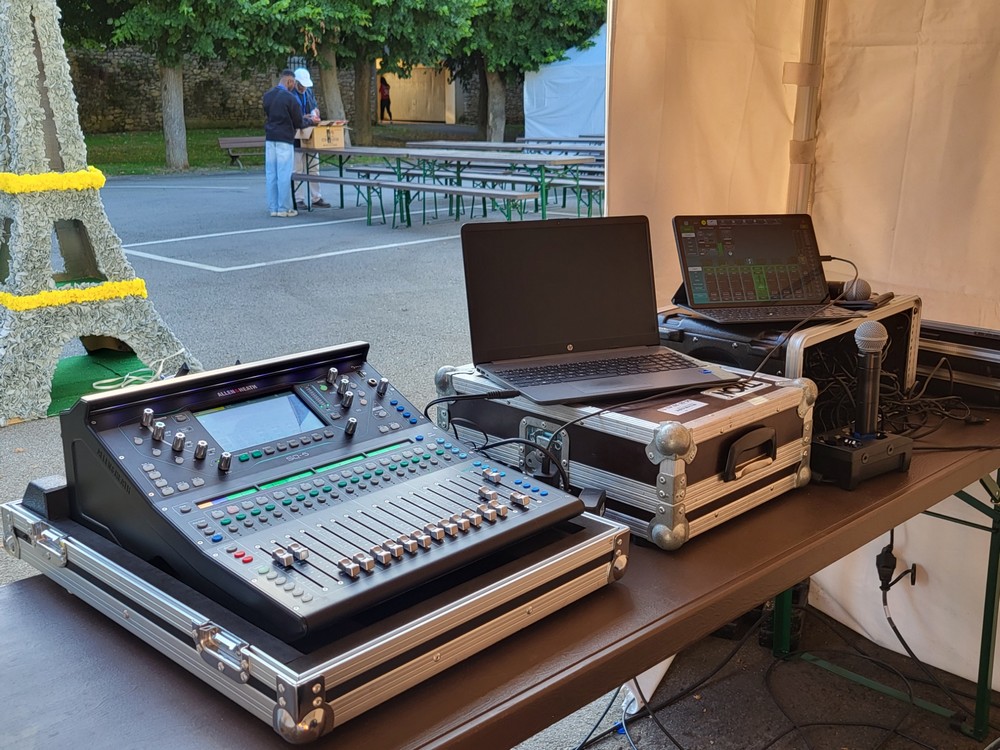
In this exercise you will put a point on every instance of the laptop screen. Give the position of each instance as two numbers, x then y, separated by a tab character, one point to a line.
745	261
537	288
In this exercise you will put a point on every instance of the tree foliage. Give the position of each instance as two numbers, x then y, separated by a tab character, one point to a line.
511	37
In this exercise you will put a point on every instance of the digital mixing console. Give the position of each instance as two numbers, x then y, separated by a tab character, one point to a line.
297	491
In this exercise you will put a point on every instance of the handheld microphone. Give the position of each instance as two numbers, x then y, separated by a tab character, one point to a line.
855	290
848	457
870	337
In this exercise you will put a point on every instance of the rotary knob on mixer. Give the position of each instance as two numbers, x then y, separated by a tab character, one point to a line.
342	386
383	386
177	446
225	462
147	418
331	376
352	426
158	430
200	450
347	399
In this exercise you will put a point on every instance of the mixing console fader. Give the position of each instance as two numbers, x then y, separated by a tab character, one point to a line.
297	491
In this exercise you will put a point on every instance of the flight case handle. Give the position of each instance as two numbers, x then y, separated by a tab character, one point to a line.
762	441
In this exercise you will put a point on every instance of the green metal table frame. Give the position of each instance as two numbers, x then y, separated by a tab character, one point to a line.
991	617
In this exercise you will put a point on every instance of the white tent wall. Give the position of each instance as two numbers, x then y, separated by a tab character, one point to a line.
898	148
567	98
698	118
908	151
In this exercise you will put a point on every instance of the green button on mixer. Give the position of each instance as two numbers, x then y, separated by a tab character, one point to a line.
255	512
257	454
269	507
226	521
355	480
342	483
244	457
287	501
379	472
240	516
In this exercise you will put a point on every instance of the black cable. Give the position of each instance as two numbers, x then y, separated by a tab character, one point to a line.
563	476
653	716
891	731
923	667
468	423
489	395
860	724
786	334
585	740
832	625
677	697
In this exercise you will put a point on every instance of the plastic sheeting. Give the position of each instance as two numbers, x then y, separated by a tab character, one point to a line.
567	98
707	107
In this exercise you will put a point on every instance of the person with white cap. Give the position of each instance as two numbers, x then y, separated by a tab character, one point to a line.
310	111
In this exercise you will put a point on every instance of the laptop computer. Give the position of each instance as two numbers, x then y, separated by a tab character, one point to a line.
557	306
753	269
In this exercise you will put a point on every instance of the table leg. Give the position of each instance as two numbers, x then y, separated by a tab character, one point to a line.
991	609
782	639
542	189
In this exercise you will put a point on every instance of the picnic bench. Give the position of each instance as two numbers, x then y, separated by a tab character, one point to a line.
371	187
507	201
238	146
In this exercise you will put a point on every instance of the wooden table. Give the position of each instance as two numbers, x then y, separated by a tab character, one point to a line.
71	675
582	147
541	165
576	139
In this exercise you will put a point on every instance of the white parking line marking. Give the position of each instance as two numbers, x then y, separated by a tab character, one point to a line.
281	261
213	235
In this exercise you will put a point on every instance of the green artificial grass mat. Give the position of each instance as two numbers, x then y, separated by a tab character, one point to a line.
75	376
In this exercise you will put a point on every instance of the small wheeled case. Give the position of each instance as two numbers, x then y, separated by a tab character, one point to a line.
670	468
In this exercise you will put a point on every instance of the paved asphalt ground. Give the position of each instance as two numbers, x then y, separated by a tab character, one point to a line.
235	284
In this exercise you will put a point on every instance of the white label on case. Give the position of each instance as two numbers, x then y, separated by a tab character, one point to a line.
683	407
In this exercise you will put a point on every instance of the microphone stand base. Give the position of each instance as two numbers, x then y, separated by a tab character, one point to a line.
846	460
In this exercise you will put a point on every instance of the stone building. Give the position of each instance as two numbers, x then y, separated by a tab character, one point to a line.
119	91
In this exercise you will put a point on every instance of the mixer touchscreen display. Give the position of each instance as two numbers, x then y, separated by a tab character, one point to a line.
262	420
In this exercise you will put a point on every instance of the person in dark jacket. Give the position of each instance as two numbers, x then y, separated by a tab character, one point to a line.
284	117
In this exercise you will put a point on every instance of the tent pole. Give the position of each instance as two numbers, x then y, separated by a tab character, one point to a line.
807	76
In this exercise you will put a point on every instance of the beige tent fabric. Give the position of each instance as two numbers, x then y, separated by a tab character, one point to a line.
908	151
907	173
698	117
906	183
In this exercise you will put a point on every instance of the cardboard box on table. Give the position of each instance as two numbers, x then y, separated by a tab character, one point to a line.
326	134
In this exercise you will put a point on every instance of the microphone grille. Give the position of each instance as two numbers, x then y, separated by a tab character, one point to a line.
857	290
871	336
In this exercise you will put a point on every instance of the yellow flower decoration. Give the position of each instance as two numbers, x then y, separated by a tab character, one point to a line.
90	178
57	297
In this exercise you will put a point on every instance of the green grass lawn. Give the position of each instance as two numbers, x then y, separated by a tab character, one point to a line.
144	153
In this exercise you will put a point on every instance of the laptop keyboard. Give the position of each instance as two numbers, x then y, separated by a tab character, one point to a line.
778	312
603	368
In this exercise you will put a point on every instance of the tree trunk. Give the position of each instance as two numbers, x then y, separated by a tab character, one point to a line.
172	101
362	101
482	105
330	88
496	117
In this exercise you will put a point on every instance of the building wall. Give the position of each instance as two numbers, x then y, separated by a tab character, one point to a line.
119	91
